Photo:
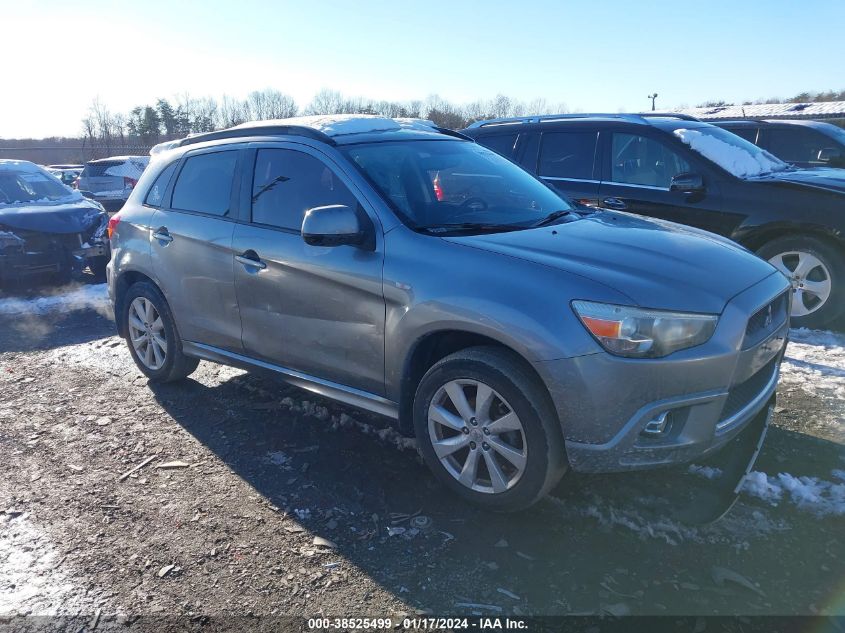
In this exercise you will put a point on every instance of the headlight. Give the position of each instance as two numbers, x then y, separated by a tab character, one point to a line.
638	332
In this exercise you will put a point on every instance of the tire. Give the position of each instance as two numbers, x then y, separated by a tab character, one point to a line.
791	254
168	362
514	389
98	266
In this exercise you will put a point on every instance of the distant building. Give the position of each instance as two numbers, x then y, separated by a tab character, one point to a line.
829	111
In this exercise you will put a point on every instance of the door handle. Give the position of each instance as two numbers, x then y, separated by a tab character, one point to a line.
163	235
614	203
250	259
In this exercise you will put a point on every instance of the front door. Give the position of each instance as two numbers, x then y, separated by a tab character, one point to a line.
317	310
638	171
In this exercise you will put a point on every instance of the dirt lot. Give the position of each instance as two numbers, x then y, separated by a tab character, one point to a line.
278	502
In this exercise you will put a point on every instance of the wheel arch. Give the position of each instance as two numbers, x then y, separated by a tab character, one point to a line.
754	238
122	284
436	345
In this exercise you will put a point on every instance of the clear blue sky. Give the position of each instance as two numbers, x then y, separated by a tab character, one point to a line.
592	56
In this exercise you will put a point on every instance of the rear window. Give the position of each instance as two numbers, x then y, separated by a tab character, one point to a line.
568	154
156	193
122	168
205	183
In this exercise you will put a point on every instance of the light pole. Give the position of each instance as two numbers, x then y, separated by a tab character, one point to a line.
652	97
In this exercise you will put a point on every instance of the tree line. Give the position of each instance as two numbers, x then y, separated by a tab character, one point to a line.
167	119
802	97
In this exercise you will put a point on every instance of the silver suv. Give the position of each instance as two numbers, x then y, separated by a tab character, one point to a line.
111	180
406	270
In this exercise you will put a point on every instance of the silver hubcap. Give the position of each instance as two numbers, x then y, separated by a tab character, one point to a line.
809	277
146	333
477	436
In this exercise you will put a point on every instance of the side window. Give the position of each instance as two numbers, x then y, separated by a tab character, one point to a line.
568	154
640	160
205	183
748	133
287	183
796	145
503	144
156	193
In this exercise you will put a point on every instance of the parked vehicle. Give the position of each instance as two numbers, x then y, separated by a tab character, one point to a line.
111	180
67	175
516	334
46	227
799	142
673	167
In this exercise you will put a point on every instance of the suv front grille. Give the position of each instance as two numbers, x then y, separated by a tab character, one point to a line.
766	320
741	395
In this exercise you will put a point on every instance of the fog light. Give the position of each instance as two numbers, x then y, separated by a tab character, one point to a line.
658	425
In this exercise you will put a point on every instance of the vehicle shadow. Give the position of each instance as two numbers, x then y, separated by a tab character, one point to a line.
601	544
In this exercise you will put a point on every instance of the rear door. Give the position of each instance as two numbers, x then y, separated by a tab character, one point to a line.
568	161
191	247
637	171
317	310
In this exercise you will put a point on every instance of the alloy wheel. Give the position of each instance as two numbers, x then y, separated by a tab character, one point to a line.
146	333
477	436
809	277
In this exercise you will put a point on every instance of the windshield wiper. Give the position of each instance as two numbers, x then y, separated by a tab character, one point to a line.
557	215
467	226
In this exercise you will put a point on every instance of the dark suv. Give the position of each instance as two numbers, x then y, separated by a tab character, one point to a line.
802	143
677	168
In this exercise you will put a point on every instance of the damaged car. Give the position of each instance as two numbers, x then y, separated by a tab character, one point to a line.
47	228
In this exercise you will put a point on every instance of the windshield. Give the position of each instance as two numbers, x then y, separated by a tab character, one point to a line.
730	152
442	184
30	185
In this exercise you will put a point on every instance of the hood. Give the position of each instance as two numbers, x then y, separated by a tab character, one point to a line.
657	264
72	217
826	178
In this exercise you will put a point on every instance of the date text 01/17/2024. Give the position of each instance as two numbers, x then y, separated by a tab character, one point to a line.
419	623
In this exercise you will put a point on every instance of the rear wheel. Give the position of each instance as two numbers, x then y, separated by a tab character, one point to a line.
816	271
151	333
486	428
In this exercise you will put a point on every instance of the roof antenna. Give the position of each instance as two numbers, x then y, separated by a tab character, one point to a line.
743	113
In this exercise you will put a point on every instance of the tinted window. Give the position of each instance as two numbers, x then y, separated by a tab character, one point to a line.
287	183
156	192
639	160
796	145
205	183
568	154
503	144
748	133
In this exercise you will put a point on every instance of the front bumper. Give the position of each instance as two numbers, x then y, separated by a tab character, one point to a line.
705	395
48	256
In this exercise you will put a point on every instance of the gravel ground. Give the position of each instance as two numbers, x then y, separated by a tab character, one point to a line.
256	498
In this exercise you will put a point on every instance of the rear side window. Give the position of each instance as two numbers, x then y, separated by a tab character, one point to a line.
568	154
503	144
205	183
287	183
156	193
748	133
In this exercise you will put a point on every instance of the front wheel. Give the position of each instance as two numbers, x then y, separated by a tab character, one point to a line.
816	271
486	428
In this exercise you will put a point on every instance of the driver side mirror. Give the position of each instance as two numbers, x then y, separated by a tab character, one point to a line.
336	225
687	183
827	154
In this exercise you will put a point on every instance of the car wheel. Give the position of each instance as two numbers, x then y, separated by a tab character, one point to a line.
816	271
486	427
152	335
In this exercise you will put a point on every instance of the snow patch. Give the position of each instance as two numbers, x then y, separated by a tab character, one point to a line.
338	124
815	362
93	297
708	472
733	158
822	498
31	578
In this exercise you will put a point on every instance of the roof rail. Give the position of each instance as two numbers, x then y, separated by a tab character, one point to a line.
546	118
669	115
258	130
